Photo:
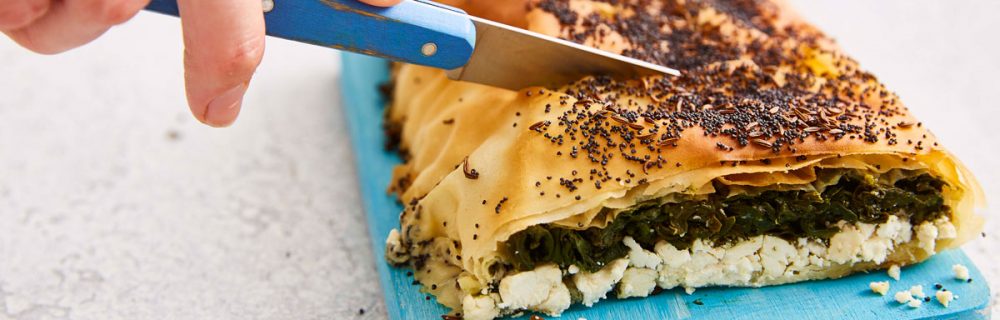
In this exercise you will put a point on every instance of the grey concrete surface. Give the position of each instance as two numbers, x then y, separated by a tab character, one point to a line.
115	204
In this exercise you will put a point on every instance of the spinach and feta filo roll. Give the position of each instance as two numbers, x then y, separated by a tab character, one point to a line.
774	158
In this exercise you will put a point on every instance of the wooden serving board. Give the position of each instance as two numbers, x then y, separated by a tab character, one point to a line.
846	298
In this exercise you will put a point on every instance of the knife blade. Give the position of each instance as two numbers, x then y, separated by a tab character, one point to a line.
513	58
431	34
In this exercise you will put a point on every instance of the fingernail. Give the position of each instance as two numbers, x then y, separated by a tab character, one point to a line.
222	110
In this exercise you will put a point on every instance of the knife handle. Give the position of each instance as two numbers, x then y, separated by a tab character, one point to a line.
413	31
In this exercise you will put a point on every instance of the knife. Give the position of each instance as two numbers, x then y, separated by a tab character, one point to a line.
431	34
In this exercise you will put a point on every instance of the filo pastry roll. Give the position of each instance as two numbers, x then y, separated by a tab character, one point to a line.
774	158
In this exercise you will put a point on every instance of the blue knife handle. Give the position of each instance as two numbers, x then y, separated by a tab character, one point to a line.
412	31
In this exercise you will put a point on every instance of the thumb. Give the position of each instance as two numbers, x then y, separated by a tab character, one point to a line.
223	44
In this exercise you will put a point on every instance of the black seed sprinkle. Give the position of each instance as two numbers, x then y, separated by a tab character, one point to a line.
500	204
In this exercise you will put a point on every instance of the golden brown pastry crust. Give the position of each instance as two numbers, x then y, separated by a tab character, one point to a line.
764	99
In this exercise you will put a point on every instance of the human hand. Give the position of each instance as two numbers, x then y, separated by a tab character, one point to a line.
223	41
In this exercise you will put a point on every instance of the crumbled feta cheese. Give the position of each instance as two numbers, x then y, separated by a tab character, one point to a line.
915	303
917	291
846	244
639	257
892	228
881	287
479	307
961	272
944	297
751	262
743	249
540	289
775	255
637	282
876	249
763	259
595	286
903	296
927	236
672	256
946	230
558	301
894	272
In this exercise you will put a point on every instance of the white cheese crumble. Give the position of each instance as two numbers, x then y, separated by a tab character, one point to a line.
917	291
755	261
944	297
479	308
595	286
639	257
961	272
765	259
946	230
540	289
637	282
903	296
894	272
881	287
927	237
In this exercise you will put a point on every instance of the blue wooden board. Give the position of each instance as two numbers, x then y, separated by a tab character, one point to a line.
846	298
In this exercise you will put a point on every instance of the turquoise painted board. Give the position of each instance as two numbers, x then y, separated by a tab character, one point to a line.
847	298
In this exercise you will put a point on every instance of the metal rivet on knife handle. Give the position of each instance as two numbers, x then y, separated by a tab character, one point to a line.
429	49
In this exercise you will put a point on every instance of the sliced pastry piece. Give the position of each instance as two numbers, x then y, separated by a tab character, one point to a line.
774	158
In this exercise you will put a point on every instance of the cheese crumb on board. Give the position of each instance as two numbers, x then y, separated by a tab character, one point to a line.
894	272
915	303
903	296
881	287
917	291
944	297
961	272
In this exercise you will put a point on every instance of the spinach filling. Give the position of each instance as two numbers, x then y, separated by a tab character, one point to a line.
856	196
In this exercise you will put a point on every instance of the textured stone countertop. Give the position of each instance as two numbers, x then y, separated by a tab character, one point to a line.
116	204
